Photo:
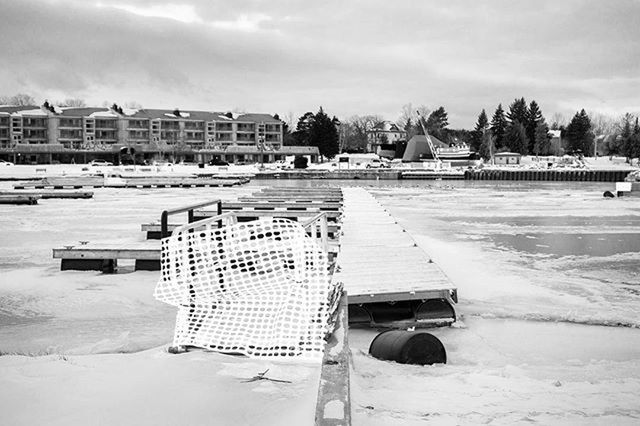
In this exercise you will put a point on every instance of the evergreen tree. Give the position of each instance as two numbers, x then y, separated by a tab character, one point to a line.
630	137
534	117
437	122
542	144
323	133
301	134
482	125
635	141
516	138
498	126
579	134
518	111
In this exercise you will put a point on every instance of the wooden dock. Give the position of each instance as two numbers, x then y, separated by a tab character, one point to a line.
104	256
388	278
18	199
147	254
48	194
58	183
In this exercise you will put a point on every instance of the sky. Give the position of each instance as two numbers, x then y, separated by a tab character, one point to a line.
350	57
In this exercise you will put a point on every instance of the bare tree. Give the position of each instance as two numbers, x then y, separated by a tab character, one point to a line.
133	105
21	99
72	102
409	121
602	124
354	131
289	118
557	120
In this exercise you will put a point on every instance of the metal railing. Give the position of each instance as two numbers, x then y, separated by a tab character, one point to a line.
218	221
164	217
317	229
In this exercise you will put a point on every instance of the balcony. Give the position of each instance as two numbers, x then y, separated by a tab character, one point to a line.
224	137
76	124
224	127
105	124
138	124
194	125
246	128
35	123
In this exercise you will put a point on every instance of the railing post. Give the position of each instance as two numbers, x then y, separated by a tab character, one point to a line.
164	218
219	213
324	233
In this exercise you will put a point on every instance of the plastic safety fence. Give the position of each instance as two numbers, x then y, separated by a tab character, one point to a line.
257	288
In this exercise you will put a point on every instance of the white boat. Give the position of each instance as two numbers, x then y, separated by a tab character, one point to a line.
459	151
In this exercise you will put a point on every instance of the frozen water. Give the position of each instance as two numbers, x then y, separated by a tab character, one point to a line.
544	271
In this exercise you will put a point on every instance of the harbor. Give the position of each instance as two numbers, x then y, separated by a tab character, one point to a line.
501	288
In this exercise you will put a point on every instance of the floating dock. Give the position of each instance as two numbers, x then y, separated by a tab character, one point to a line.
48	194
147	254
387	277
18	199
58	183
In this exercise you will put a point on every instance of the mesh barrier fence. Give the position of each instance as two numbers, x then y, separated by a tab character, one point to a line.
258	288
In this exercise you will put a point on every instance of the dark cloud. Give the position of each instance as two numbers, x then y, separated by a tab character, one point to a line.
352	57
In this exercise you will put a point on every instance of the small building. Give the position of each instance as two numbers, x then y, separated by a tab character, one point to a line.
507	158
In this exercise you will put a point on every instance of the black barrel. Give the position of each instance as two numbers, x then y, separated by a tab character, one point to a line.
408	347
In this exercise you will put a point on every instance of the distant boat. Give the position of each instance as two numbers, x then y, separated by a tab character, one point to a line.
455	151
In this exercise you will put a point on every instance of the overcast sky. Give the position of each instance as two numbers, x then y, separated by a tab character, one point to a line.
351	57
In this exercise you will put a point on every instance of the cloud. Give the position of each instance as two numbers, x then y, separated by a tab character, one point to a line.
179	12
353	57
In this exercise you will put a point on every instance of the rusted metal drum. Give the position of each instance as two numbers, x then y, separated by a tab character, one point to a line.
408	347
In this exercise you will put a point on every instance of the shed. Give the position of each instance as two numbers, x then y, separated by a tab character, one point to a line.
507	158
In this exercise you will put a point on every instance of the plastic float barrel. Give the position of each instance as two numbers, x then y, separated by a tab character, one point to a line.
408	347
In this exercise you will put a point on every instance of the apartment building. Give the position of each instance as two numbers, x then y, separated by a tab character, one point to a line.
32	134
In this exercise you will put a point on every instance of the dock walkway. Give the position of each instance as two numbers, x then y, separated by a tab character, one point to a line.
379	263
